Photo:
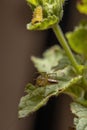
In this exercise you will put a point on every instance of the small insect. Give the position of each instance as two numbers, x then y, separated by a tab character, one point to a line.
37	15
46	79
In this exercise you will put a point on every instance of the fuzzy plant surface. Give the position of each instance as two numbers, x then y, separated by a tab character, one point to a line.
62	69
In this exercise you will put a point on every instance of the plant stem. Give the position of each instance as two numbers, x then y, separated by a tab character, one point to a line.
60	36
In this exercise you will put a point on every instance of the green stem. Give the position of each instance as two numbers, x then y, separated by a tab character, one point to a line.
60	36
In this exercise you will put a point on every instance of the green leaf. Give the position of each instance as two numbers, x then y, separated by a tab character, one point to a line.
50	59
38	96
78	39
81	116
82	6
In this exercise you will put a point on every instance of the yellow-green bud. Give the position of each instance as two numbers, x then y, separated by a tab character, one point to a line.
45	13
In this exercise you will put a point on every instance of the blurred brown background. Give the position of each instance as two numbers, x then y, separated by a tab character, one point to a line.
16	69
